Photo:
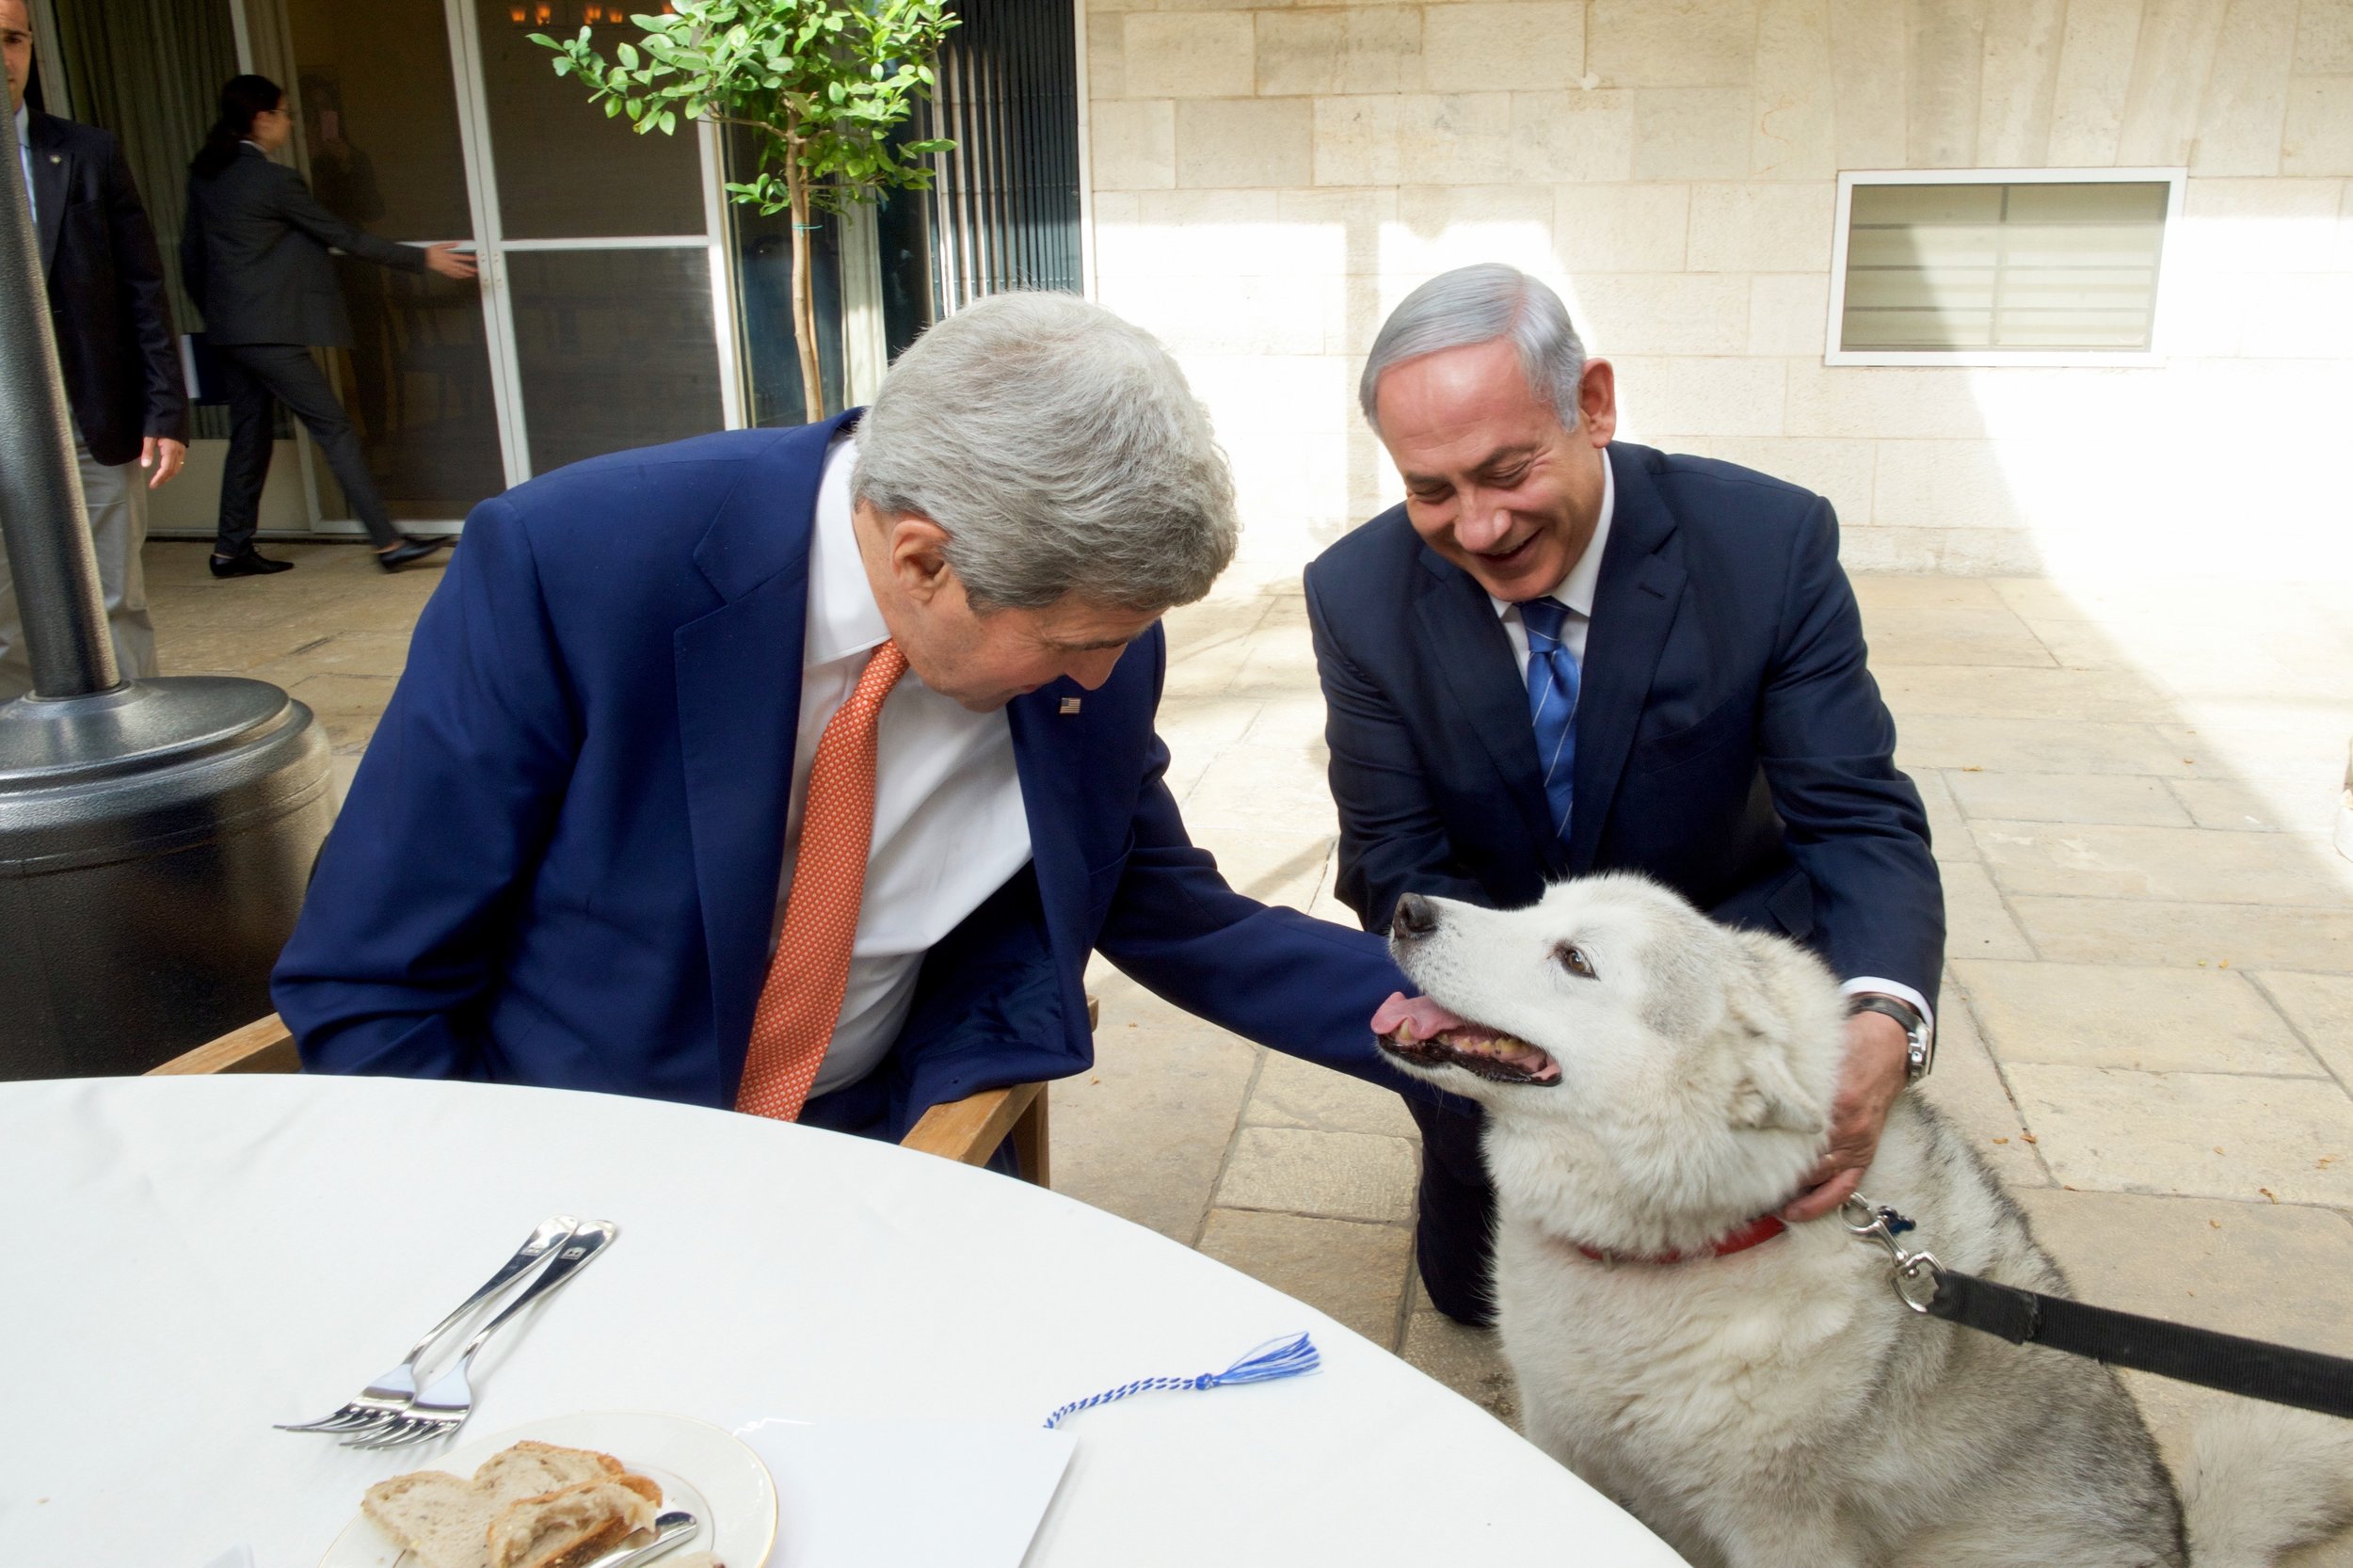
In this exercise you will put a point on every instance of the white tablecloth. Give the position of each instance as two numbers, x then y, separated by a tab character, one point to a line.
184	1261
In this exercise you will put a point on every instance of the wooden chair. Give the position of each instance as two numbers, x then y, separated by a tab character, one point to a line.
969	1129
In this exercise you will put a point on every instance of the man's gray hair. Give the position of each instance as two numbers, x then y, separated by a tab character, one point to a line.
1480	304
1062	452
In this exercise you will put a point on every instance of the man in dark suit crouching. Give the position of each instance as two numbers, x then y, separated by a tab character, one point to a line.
1564	654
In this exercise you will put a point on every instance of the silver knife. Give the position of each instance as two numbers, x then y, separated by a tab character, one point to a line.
674	1528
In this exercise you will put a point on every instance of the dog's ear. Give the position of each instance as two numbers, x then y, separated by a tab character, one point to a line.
1767	1094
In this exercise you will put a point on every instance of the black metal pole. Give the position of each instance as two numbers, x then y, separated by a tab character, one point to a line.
42	523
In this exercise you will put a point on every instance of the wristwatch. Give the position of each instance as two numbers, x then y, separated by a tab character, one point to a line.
1919	1039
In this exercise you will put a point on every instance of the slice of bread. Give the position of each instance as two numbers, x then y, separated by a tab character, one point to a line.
570	1526
540	1505
442	1520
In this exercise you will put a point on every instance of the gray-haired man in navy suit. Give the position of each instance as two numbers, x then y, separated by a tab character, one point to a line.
106	284
1567	654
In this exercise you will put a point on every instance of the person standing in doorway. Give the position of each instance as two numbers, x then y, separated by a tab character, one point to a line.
104	280
254	258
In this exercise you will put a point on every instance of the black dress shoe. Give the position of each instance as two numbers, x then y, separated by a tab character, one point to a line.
248	563
410	547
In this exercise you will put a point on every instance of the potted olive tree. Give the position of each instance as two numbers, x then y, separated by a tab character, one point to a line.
822	86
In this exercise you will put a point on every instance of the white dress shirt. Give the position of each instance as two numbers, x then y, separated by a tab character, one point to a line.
948	823
1576	591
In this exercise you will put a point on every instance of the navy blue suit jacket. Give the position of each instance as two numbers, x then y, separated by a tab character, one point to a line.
1730	741
559	864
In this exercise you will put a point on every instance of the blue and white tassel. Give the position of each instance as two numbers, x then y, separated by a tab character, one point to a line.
1275	1359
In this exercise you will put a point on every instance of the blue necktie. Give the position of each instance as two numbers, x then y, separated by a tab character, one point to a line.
1552	683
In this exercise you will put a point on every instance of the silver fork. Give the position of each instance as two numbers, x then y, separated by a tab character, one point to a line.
443	1407
388	1393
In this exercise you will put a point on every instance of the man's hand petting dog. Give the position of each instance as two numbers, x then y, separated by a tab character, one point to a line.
1878	1063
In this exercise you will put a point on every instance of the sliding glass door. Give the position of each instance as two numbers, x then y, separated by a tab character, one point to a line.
594	325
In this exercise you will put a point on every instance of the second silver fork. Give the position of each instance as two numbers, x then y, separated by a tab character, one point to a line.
388	1394
445	1406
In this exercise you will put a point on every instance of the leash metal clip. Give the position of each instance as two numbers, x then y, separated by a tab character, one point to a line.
1915	1271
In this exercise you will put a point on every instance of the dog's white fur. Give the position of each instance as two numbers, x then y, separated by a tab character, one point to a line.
1776	1407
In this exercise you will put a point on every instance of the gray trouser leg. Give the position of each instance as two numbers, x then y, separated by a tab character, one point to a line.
116	500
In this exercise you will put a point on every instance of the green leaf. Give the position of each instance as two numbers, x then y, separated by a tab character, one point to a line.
626	55
612	107
669	122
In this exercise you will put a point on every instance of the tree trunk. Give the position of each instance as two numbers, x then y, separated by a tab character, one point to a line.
804	296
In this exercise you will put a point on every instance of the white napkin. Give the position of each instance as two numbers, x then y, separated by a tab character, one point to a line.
843	1490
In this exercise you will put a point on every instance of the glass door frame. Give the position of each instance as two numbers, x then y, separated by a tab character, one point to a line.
471	93
491	247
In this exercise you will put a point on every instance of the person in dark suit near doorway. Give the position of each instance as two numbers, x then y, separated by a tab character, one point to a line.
1564	654
113	326
254	258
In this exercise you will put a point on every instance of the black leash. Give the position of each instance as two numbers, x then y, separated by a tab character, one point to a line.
2277	1373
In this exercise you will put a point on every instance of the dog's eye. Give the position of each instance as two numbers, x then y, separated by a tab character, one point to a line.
1574	960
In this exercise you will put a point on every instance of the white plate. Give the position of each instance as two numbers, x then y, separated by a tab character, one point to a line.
702	1469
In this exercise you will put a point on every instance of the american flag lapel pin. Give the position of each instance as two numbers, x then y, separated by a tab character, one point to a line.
1069	706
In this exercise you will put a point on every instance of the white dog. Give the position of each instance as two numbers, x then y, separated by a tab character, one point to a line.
1655	1085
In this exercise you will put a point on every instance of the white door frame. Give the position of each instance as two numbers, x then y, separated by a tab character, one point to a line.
498	315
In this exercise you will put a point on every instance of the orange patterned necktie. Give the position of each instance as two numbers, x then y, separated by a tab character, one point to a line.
801	1001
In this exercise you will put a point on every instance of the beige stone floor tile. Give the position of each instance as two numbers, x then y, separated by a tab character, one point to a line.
2131	1016
2201	1134
379	654
1352	1270
2266	1273
2308	807
1294	722
2148	931
1975	923
2187	864
1467	1360
1992	691
1341	1175
2089	798
2321	1008
2080	645
1949	832
1968	634
1250	788
1291	1092
181	649
1215	721
1882	594
2038	745
1967	1087
1144	1133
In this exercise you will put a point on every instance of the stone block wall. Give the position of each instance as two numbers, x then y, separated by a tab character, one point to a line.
1265	183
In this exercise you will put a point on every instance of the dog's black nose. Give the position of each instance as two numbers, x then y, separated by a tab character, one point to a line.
1415	917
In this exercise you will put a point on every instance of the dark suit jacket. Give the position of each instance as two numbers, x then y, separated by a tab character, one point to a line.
105	291
254	256
1730	741
559	864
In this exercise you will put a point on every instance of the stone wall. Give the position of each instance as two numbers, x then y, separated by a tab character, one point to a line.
1265	183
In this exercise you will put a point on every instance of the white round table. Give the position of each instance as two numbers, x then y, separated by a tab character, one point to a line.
185	1260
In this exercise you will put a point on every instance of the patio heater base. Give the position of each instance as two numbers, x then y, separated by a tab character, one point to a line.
155	842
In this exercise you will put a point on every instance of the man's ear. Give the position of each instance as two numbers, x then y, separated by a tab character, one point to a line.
915	552
1597	402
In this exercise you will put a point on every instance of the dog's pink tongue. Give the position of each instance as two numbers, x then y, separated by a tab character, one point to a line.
1428	1018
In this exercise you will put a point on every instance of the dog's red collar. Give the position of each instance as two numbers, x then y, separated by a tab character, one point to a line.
1757	1231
